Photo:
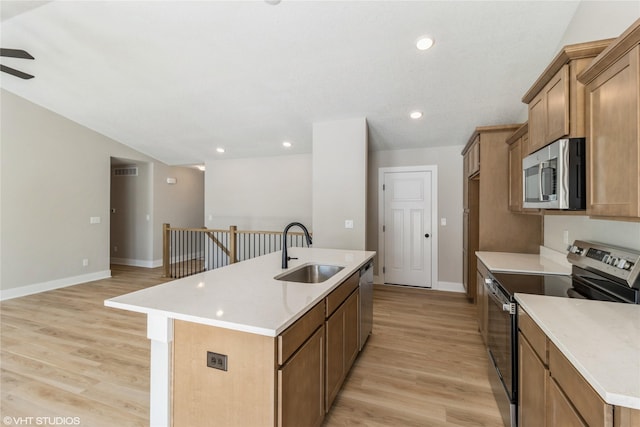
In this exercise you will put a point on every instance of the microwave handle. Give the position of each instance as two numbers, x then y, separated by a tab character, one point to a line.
540	183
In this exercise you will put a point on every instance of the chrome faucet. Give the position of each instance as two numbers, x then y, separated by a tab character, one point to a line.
285	257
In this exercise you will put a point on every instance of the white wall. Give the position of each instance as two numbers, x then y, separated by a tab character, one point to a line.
55	175
263	193
593	21
449	162
340	183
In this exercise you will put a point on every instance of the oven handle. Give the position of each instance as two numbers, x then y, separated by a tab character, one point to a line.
506	306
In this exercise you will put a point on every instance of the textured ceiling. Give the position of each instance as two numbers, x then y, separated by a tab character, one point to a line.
176	79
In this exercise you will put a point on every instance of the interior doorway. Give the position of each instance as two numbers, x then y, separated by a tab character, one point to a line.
408	232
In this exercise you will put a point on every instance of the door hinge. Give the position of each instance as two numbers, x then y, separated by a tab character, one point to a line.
384	187
384	228
384	269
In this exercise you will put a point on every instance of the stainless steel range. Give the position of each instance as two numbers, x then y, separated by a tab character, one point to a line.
599	272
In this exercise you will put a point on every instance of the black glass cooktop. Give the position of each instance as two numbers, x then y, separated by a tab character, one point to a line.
581	285
539	284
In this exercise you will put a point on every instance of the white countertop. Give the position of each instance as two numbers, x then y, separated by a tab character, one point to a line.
244	296
601	339
547	262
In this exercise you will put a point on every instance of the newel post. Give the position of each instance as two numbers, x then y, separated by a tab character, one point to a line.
166	239
233	240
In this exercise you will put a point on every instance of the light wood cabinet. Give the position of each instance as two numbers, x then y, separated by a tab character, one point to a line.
288	380
613	129
552	392
342	338
533	371
518	145
301	385
472	158
556	99
488	223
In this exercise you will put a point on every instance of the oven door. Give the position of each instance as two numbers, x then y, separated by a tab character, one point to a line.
502	352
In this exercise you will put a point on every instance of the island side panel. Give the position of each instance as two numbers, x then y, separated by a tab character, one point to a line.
244	395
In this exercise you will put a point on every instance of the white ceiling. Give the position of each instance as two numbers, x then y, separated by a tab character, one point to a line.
176	79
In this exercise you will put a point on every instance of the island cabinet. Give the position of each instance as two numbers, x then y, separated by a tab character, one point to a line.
288	380
341	328
613	128
551	391
556	99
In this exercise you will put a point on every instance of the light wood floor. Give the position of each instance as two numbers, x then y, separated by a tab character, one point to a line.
63	354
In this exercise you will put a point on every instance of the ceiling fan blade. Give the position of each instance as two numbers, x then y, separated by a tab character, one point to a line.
15	53
15	72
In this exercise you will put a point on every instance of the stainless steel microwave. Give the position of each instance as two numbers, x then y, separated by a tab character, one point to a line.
554	176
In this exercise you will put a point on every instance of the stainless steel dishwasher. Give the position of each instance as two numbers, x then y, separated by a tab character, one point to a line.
366	302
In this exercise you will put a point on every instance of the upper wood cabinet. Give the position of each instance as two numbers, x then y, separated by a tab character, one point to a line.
613	128
472	158
556	99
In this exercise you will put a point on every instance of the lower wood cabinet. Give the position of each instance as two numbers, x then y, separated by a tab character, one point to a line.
560	411
342	345
286	381
551	391
532	390
301	385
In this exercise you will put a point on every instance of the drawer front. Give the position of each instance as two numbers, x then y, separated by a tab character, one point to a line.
536	338
295	335
341	293
587	402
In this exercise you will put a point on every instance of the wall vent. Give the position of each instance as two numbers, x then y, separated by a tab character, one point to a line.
125	171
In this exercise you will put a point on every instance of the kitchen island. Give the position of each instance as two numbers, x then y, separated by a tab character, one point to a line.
244	304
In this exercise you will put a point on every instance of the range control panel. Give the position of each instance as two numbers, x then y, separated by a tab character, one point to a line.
619	262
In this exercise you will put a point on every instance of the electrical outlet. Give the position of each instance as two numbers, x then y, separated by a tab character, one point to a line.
443	221
85	262
216	360
94	220
348	223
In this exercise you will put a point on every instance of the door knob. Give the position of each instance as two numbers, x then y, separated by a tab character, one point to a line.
426	235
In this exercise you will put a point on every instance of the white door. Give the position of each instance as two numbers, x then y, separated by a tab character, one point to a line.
407	228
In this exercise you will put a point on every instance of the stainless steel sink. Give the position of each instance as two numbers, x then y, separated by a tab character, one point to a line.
309	273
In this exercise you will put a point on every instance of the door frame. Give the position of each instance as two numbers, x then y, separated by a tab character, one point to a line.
434	216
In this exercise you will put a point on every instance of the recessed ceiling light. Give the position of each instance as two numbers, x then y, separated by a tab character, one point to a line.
424	43
415	114
286	144
220	150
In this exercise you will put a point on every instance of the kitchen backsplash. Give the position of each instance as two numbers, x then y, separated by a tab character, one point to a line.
619	233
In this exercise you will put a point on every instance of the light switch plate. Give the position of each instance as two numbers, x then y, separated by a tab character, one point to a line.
348	223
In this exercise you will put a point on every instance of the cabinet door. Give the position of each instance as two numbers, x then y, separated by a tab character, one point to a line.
549	112
334	355
474	157
560	412
613	139
557	103
342	345
351	311
515	176
532	386
301	385
537	123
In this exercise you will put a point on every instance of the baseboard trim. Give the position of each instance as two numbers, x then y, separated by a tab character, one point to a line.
36	288
450	287
137	262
